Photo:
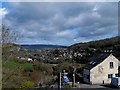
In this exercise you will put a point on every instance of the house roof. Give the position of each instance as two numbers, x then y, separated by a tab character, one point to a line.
96	59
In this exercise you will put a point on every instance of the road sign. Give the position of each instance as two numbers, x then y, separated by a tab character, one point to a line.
66	80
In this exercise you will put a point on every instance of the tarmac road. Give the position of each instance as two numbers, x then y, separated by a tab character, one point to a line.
90	86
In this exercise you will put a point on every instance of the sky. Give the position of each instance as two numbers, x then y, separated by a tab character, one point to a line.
61	23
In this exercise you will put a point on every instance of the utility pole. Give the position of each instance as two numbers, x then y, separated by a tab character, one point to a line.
60	81
63	76
73	70
73	79
71	57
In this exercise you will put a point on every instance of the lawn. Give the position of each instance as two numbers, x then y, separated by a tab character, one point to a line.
13	64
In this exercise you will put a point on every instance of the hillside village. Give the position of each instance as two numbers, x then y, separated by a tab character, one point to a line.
80	52
41	67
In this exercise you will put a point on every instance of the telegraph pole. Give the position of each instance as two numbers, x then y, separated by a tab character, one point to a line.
60	81
73	70
63	76
73	75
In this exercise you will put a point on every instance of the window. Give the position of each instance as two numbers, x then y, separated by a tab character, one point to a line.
111	64
110	76
116	75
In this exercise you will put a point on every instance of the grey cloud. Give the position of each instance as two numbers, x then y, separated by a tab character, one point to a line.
54	22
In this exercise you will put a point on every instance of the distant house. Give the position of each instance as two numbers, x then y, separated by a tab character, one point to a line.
100	69
109	49
29	59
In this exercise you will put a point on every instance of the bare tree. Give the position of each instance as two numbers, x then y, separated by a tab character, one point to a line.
8	38
8	35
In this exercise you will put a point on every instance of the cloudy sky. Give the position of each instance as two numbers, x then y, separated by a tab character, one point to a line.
62	23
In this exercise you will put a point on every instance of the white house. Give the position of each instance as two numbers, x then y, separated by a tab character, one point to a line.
29	59
100	69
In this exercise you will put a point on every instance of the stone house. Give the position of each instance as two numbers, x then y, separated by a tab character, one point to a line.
100	69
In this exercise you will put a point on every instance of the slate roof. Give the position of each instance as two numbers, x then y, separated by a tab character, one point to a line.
96	59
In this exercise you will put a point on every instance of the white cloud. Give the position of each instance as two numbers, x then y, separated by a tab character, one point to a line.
65	34
3	12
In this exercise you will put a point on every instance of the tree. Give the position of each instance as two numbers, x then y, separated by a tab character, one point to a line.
7	41
8	35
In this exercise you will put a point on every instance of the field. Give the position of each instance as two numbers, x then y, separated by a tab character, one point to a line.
13	64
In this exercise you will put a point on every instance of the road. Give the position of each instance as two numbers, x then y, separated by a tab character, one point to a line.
90	86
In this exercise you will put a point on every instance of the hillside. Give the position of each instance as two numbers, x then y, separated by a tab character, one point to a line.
92	47
109	42
42	46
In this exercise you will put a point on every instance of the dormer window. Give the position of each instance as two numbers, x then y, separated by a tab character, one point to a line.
111	65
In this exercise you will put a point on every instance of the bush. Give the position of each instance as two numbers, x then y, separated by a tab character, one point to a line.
27	84
62	66
28	71
67	86
44	68
41	77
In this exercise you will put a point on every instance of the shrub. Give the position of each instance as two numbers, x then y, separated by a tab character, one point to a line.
27	71
67	86
27	84
44	68
62	66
